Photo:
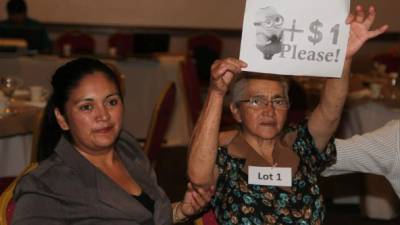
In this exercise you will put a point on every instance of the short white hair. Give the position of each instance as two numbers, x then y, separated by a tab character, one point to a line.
238	87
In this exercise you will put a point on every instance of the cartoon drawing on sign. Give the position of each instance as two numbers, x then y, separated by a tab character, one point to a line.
269	31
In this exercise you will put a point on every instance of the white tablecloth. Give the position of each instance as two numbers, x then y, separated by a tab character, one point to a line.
366	116
14	154
145	79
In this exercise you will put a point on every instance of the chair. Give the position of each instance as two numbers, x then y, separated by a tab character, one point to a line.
205	49
80	43
192	92
122	42
160	121
7	204
298	103
149	43
208	218
191	88
4	182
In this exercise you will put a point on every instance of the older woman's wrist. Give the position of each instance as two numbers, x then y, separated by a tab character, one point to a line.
177	214
217	94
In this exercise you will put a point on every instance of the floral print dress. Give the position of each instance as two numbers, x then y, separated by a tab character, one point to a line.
237	202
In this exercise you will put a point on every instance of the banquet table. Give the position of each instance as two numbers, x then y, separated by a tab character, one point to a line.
16	138
144	81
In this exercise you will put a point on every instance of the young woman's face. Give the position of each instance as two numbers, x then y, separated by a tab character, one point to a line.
93	113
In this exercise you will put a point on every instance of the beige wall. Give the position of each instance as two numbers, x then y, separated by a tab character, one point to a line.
217	14
139	13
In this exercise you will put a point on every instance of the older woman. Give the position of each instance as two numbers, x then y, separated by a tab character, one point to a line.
97	174
266	173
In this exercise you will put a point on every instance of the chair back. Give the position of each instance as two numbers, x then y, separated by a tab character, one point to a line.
7	205
207	218
298	103
204	49
210	41
4	182
191	88
150	43
80	43
160	121
122	42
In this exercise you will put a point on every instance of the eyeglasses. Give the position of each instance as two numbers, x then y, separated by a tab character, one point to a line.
272	21
258	102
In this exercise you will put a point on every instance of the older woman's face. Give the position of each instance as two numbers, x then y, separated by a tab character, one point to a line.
93	113
267	121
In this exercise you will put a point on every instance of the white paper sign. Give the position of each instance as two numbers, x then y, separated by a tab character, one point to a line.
304	37
272	176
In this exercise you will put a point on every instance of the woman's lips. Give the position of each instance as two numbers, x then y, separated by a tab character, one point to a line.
104	130
268	123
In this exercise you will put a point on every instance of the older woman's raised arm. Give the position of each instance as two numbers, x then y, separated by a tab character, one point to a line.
326	116
202	170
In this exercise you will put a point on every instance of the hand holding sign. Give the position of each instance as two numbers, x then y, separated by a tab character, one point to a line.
303	37
359	29
334	94
222	72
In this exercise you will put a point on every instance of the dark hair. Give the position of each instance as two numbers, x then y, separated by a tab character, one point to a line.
65	79
16	6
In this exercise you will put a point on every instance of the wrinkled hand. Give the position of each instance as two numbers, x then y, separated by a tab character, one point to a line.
222	72
360	32
195	200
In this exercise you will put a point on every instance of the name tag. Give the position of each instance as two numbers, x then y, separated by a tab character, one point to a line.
271	176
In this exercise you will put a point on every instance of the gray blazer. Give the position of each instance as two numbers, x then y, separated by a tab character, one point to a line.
68	189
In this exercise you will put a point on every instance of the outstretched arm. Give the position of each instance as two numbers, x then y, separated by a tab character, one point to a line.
376	152
203	146
326	116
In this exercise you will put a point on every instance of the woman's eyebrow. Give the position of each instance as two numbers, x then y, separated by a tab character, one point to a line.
277	96
112	95
84	100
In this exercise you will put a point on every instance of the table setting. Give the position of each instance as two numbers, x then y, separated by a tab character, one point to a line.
18	105
19	109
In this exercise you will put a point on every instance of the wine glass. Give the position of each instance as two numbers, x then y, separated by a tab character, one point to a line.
8	85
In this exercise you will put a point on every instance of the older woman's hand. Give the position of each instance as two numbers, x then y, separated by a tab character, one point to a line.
222	72
193	202
360	32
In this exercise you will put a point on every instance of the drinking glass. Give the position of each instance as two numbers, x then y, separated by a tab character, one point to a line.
8	85
394	84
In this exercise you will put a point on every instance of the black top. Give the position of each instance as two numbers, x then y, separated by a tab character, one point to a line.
145	200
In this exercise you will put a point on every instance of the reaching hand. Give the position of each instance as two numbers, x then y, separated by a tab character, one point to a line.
360	32
222	72
195	200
